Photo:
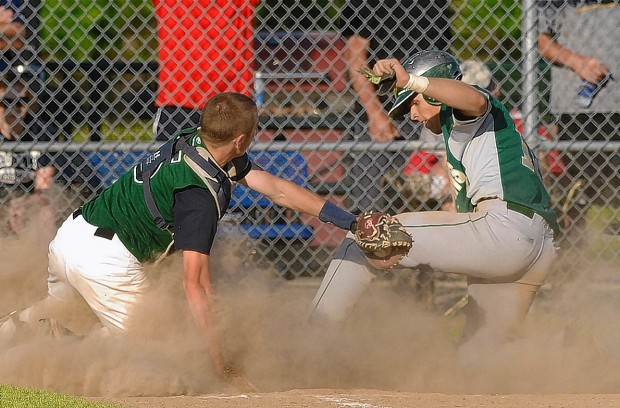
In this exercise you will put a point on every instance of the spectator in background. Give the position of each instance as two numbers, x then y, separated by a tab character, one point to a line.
20	62
31	174
12	33
578	38
22	173
17	124
376	30
205	47
19	25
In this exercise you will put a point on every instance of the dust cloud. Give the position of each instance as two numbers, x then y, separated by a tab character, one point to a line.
570	343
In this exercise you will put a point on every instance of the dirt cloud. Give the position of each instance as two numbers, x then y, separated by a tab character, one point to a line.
570	342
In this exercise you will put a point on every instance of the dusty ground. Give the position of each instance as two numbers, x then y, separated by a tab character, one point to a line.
569	355
328	398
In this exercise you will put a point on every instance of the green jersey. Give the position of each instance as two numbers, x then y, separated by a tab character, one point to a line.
488	158
122	207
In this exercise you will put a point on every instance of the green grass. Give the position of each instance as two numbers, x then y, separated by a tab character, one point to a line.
20	397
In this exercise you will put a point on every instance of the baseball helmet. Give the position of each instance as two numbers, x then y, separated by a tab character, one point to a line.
430	64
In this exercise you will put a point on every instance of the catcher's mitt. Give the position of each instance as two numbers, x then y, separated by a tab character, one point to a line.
381	236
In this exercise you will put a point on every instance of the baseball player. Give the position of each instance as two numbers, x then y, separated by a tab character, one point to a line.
501	238
174	197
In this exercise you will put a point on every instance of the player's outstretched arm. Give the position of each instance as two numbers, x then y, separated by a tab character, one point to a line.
287	194
199	294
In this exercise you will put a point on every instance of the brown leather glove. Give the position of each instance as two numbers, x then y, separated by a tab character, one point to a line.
381	236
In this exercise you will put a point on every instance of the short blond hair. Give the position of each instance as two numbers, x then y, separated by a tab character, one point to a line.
226	116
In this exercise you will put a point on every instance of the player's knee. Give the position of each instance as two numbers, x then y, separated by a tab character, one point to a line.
349	250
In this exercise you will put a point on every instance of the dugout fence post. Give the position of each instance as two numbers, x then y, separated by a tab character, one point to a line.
530	78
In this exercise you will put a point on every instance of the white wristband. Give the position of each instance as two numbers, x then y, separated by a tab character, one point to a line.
416	83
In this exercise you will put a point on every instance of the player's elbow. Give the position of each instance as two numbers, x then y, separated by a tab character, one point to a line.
282	191
480	101
476	105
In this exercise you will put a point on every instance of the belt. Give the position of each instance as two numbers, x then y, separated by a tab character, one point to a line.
521	209
99	232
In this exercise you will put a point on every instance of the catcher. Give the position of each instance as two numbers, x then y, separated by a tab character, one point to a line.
501	238
176	197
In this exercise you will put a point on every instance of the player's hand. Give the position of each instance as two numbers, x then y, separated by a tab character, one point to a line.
391	66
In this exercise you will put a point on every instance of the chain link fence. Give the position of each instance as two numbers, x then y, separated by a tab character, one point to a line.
82	89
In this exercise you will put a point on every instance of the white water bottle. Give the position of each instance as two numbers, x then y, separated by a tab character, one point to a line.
587	91
259	89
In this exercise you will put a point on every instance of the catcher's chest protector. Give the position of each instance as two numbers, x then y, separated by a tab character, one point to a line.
148	167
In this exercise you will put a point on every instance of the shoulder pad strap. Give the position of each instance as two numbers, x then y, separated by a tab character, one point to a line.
150	164
145	170
222	185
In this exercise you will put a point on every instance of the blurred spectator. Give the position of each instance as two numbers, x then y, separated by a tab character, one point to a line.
578	38
27	172
385	29
12	32
20	64
424	184
205	47
19	170
32	171
19	26
18	107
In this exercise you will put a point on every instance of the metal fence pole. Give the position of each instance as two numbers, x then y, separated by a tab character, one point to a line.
530	79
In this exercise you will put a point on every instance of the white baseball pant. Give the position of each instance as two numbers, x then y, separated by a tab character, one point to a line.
505	255
100	270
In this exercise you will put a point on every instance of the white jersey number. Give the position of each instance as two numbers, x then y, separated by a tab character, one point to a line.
458	179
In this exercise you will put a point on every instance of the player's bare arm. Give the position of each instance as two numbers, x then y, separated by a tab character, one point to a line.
289	195
466	99
283	192
199	294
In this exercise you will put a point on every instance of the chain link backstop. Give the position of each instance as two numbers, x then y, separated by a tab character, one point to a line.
85	83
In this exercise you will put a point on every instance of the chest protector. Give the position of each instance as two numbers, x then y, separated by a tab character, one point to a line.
219	181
